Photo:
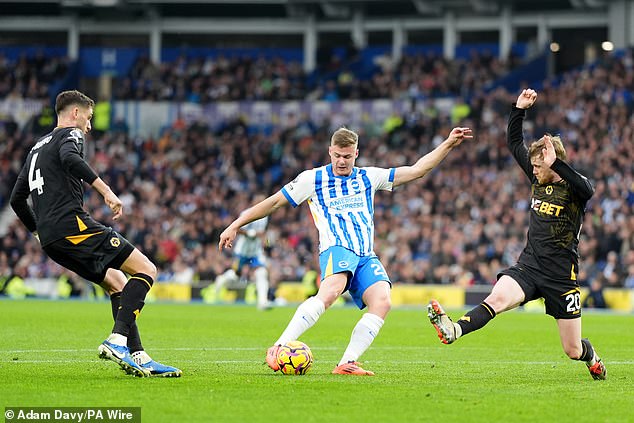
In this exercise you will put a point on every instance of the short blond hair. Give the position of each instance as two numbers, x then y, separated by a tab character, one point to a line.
535	149
343	137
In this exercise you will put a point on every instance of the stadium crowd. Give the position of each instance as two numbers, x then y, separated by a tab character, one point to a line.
460	224
30	76
204	80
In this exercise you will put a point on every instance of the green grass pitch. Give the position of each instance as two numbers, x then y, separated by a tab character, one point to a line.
512	371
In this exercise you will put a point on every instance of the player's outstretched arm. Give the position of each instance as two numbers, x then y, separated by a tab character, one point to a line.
515	133
109	197
425	164
253	213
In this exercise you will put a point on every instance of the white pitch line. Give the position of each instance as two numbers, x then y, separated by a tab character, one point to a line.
71	350
540	363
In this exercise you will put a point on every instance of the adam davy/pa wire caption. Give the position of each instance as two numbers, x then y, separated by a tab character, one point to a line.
73	414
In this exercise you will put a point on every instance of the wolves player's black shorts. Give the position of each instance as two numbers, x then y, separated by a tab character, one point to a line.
92	257
561	297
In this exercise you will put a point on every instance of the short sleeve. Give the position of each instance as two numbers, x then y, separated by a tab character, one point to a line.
381	179
301	188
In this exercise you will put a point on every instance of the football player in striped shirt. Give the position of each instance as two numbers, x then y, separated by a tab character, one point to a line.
341	201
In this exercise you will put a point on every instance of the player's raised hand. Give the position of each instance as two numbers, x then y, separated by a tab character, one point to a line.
457	135
548	151
526	98
226	238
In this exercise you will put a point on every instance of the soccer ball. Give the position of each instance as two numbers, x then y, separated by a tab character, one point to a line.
294	358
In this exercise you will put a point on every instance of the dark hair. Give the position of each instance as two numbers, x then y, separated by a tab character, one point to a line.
74	97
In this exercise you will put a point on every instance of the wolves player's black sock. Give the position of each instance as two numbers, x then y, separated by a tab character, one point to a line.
132	298
476	318
587	352
115	302
134	339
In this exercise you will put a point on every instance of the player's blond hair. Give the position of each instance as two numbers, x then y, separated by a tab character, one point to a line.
343	137
535	149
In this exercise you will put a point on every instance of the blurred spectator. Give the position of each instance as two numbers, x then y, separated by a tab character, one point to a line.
595	296
460	224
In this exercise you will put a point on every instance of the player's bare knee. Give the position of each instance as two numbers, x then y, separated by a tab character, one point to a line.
113	281
147	267
379	305
150	269
500	303
327	297
381	309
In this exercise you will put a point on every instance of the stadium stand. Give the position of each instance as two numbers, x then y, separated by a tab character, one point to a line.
458	226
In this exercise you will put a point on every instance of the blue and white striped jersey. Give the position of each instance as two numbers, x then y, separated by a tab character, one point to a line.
342	206
247	246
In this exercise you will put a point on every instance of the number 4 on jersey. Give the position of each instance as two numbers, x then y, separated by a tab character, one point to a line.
35	177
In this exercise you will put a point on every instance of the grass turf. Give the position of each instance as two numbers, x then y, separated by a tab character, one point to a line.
513	370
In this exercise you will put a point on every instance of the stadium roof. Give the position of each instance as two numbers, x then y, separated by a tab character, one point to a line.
321	9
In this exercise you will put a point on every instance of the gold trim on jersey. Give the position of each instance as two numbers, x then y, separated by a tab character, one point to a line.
328	270
489	309
573	275
572	291
78	239
81	224
142	279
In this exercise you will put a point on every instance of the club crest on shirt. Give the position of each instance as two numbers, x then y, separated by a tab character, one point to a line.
549	189
77	136
355	186
115	242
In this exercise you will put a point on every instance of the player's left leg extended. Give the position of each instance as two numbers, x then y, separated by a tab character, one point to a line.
507	294
369	286
377	297
125	335
137	353
580	349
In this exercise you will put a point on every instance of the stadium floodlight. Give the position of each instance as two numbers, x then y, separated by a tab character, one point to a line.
425	7
105	3
95	3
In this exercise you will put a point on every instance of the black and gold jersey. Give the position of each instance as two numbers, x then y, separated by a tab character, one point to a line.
53	176
556	211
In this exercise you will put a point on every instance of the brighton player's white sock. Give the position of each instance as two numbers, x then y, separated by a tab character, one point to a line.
118	339
362	337
305	317
262	286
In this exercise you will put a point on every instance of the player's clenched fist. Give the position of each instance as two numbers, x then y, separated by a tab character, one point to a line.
526	99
